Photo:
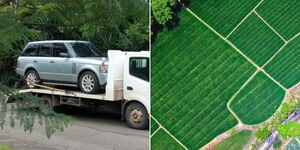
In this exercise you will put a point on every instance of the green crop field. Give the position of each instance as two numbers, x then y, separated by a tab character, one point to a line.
258	100
163	141
222	15
192	91
249	36
285	67
154	126
235	142
282	15
206	63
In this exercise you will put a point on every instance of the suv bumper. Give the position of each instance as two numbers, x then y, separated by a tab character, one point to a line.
19	71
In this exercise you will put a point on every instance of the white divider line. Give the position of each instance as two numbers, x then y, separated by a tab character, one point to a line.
237	49
269	26
155	131
236	93
280	49
285	89
244	18
162	127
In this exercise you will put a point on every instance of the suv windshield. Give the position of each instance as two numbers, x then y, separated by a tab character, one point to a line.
85	50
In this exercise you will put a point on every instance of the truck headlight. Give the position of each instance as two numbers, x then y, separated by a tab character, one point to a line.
103	68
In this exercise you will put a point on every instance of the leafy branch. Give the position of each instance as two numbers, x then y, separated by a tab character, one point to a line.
29	110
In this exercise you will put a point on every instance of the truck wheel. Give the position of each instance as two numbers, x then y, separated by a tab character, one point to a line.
136	116
32	76
89	82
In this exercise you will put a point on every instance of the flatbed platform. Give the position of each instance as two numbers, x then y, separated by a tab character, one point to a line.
69	93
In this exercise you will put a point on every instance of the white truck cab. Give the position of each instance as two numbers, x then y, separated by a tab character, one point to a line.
127	90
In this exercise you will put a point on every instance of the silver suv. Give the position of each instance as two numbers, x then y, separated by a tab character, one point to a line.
68	63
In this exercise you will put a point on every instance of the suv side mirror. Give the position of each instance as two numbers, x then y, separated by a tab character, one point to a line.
63	55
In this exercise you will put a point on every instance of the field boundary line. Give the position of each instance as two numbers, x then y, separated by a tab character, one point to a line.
236	93
285	89
237	49
282	47
244	18
285	41
155	131
162	127
227	41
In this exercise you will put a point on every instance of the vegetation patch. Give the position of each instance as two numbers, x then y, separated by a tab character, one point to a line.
255	39
161	141
235	142
222	15
258	100
154	126
283	16
285	67
5	147
194	76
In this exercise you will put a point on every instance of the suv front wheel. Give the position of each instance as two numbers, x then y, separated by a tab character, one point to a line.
89	83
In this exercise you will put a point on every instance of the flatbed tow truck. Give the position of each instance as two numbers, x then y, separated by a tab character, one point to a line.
127	91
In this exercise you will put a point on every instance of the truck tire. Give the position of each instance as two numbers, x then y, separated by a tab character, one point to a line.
32	75
89	83
136	116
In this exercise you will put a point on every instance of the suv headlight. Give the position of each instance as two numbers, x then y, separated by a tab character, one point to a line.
103	68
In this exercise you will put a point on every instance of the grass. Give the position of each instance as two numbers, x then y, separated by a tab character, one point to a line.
285	67
283	16
235	142
5	147
222	15
194	76
162	141
154	126
258	100
255	39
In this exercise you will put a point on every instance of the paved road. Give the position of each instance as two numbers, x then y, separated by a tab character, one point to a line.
91	131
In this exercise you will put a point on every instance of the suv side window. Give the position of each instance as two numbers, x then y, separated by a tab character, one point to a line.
31	50
59	48
45	50
139	67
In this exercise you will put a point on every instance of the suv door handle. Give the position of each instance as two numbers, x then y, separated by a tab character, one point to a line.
35	61
129	88
52	62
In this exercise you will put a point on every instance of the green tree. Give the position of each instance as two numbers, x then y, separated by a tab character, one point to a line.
289	130
108	24
161	10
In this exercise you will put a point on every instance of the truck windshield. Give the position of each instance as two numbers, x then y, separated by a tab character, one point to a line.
85	50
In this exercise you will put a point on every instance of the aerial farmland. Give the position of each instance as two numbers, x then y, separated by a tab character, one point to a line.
227	64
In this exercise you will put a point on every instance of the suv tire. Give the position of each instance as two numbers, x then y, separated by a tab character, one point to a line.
32	75
89	83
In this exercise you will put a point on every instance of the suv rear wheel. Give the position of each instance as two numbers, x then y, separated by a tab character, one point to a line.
32	77
89	83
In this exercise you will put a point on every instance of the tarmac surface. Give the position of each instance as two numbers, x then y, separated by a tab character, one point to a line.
91	131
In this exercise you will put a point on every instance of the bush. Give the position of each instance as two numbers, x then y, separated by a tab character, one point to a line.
262	133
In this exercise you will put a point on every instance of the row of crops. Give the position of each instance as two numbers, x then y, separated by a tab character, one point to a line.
190	92
195	72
